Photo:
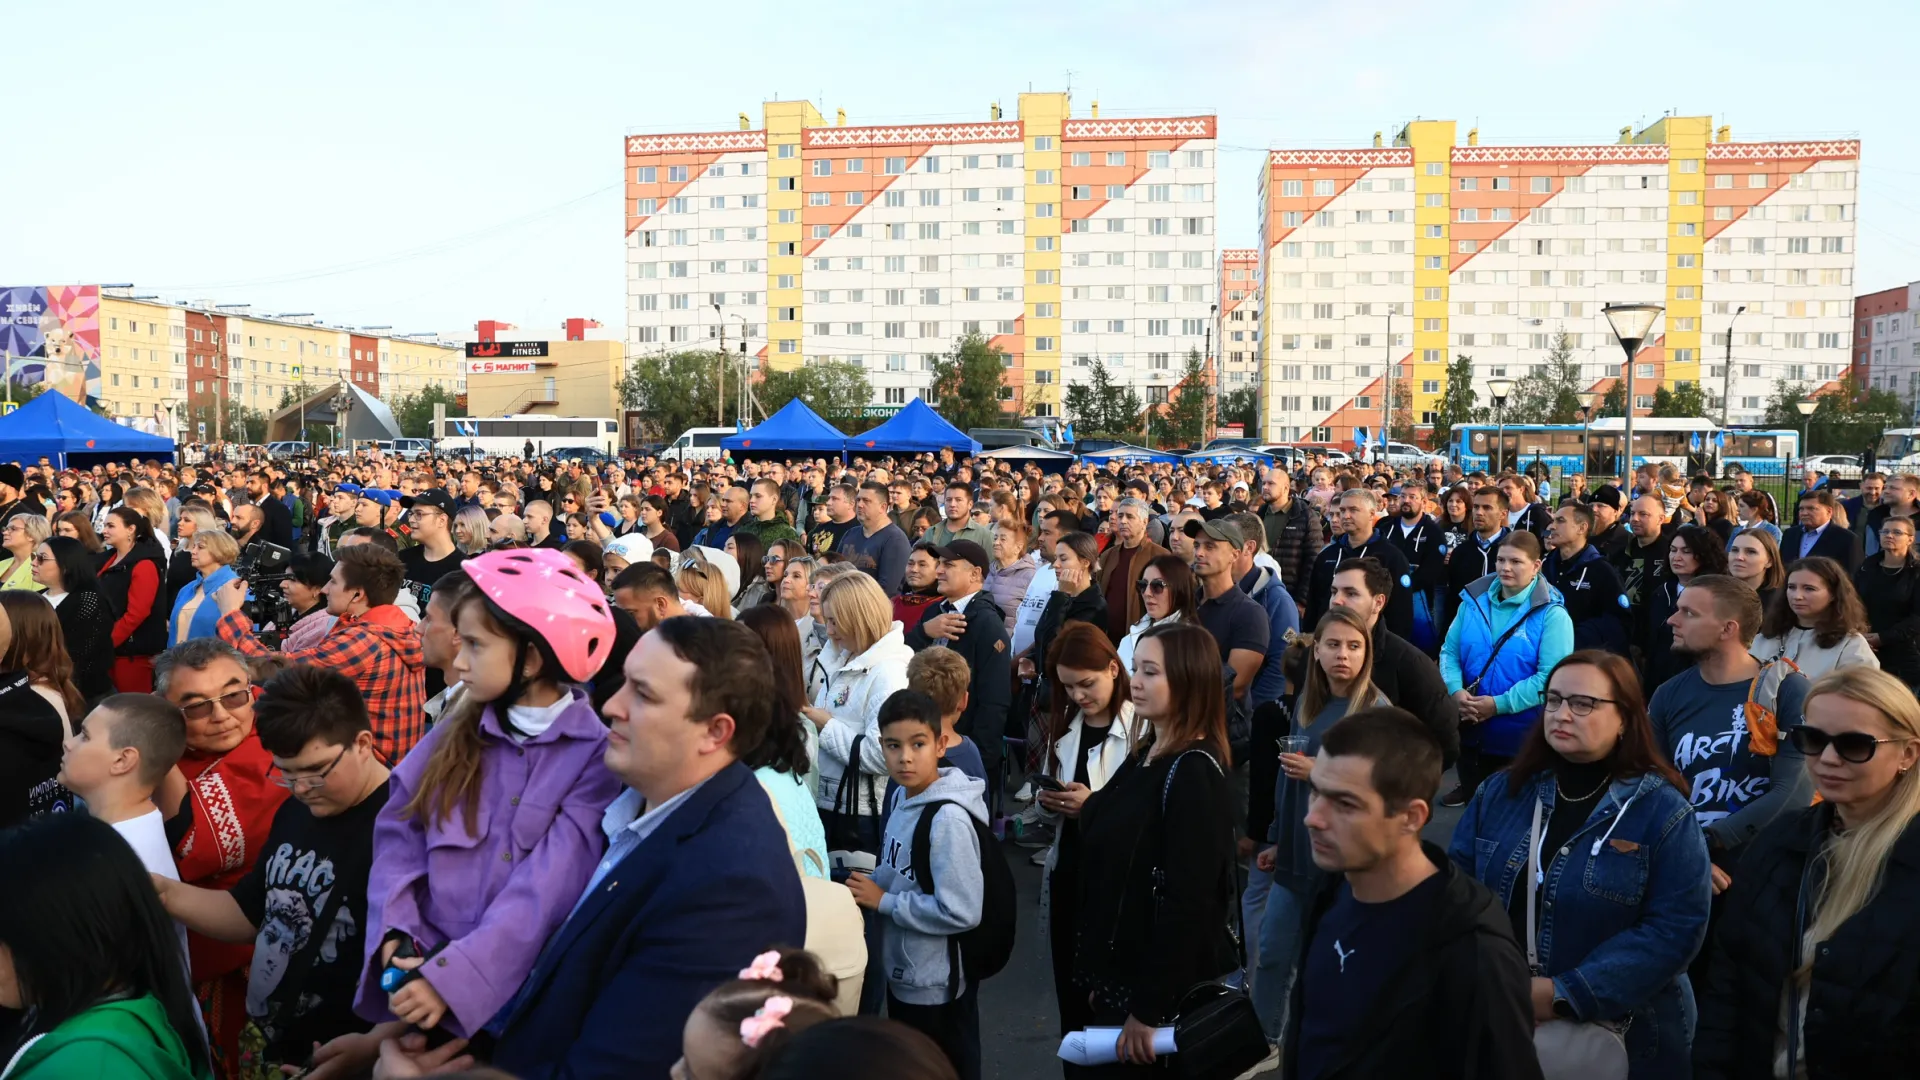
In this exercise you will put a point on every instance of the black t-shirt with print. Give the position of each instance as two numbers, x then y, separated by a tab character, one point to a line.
422	573
1356	951
304	976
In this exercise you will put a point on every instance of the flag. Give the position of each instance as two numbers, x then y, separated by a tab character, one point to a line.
1720	441
1380	437
1359	438
1066	434
1694	442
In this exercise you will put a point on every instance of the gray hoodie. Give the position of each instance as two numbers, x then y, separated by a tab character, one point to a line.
918	925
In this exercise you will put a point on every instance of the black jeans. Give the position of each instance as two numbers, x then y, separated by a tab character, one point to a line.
1475	767
955	1026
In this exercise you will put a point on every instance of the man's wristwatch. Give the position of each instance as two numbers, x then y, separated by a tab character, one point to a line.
1563	1008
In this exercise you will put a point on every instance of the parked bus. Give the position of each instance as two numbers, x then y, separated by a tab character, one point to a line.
508	436
1689	443
1899	450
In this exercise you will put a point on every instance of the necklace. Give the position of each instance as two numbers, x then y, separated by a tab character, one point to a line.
1562	792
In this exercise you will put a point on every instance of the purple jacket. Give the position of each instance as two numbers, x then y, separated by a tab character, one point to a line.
499	890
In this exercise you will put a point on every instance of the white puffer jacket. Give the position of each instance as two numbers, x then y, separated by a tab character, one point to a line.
852	696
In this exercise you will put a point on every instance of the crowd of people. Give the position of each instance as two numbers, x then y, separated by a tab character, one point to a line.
349	766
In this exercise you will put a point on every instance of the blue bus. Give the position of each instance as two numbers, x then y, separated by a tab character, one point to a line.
1690	444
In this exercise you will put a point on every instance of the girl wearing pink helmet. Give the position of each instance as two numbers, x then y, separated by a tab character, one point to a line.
491	828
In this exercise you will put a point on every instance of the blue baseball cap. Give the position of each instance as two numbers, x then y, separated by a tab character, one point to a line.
379	495
348	489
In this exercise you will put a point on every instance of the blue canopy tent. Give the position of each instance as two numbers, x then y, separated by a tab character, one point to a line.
52	426
1131	455
1229	457
915	429
794	427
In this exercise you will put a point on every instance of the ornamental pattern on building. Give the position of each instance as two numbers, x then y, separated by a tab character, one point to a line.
1375	156
1844	149
1201	127
711	140
1605	154
932	134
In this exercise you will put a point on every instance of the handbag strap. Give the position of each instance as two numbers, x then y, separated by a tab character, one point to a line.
1534	882
1505	636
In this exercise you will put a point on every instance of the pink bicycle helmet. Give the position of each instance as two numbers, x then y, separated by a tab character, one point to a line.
546	590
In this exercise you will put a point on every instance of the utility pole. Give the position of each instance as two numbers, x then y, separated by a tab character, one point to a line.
1726	372
1386	394
720	392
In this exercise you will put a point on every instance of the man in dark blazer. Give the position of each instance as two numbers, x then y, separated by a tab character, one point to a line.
1818	535
698	878
966	620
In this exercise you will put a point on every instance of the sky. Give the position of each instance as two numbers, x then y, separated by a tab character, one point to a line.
424	165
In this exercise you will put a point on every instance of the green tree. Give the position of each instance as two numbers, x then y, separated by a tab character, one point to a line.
967	381
1101	408
1849	418
837	390
20	393
1456	404
1400	423
1242	407
1684	400
1184	420
247	424
1550	393
295	393
1614	403
673	391
414	411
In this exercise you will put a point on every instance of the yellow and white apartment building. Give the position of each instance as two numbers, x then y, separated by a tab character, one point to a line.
1061	238
1412	252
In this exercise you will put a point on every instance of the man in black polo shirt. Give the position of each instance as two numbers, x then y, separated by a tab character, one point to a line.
1237	622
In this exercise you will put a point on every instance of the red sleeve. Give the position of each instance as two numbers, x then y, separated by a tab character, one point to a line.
141	591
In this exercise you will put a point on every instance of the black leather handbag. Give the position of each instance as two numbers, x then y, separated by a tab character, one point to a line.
1218	1034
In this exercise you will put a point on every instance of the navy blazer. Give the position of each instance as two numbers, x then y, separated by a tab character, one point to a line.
1835	543
710	889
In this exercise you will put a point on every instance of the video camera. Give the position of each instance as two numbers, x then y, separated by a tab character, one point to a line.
264	566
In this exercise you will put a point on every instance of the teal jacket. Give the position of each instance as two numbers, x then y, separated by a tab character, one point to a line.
125	1040
1515	671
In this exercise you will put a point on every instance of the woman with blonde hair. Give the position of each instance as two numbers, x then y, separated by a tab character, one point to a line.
22	534
152	507
867	652
191	521
470	530
194	615
1815	950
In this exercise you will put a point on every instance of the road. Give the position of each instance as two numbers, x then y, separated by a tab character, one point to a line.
1019	1029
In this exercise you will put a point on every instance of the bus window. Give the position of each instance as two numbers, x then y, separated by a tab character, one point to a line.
707	438
680	443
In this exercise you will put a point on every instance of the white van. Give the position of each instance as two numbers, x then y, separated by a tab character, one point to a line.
697	444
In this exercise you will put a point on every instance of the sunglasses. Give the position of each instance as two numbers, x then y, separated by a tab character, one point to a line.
233	702
1857	747
1155	585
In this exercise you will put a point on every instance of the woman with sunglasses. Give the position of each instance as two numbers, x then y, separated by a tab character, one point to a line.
1167	592
1815	953
1590	844
1818	622
1889	588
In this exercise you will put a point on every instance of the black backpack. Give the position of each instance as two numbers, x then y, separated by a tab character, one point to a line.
985	949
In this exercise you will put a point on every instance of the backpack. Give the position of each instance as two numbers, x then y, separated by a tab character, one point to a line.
985	949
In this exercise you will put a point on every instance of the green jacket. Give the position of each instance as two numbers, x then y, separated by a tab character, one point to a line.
768	532
125	1040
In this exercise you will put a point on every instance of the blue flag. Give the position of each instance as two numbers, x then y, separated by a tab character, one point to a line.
1694	442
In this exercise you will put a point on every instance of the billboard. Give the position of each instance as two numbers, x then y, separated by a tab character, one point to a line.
499	367
51	334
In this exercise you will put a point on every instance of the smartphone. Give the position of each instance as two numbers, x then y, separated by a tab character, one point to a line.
1045	782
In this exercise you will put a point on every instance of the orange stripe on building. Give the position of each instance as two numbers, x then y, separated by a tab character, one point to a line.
1350	415
1099	177
870	181
696	164
1519	201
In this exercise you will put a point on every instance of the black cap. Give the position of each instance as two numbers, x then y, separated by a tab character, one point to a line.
12	475
963	551
1609	496
435	498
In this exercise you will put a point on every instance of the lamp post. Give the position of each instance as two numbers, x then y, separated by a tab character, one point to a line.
1632	324
1587	400
1726	370
1498	389
1807	408
342	404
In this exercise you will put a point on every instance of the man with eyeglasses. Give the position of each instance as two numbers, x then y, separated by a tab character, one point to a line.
1724	722
220	803
302	905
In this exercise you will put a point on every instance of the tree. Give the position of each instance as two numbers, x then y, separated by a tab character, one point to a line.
414	411
1242	407
1400	423
1848	420
296	393
1101	408
837	390
1614	403
967	381
1550	394
1184	421
1456	402
246	424
675	391
1684	400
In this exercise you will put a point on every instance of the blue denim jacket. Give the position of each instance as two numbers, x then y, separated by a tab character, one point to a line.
1625	904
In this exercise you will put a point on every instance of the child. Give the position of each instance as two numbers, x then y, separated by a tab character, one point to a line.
124	749
742	1023
303	905
493	825
941	674
919	986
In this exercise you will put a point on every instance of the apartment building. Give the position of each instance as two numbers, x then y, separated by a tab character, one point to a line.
1062	239
1237	335
1410	253
1886	342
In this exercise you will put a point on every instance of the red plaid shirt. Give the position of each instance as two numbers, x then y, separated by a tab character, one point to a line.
380	652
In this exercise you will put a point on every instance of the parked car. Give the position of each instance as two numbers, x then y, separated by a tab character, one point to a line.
1834	466
585	455
697	444
290	448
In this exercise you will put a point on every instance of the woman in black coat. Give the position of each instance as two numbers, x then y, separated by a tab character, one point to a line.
65	567
1158	883
1824	911
1889	586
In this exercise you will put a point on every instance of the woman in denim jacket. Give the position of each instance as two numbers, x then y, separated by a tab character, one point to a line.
1623	879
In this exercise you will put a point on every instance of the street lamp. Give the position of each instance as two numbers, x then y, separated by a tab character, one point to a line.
1498	389
342	404
1631	323
1807	408
1587	400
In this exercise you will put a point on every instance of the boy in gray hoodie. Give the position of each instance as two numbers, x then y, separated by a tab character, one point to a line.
919	921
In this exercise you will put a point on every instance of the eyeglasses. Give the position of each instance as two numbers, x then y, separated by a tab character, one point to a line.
769	560
233	702
305	781
1857	747
1578	704
1148	585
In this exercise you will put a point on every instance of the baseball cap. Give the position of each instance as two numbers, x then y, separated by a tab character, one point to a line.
433	497
1217	529
963	550
379	495
1609	496
343	488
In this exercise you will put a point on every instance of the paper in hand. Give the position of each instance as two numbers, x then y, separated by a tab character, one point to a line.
1100	1045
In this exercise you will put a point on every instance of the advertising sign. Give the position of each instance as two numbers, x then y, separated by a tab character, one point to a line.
498	367
489	349
51	334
